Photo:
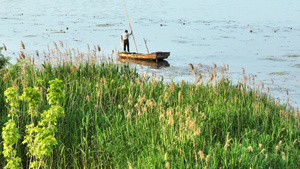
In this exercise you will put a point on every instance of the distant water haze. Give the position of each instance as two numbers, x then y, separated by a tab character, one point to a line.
261	37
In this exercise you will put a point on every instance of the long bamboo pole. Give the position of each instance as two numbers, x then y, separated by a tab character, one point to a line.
131	29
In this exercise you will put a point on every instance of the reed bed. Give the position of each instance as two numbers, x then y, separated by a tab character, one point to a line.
115	118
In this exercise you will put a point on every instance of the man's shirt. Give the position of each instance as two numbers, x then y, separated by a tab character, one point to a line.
125	36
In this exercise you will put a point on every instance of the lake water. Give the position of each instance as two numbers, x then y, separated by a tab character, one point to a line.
262	37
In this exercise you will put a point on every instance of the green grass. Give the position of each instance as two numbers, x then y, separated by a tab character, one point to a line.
3	60
115	118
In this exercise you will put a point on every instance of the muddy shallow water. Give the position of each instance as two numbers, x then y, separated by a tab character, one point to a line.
260	37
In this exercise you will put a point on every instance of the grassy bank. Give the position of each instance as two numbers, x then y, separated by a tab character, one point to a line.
115	118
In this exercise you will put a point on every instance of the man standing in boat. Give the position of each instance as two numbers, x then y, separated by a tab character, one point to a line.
125	39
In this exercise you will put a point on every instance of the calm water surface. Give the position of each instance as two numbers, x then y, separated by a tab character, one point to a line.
194	31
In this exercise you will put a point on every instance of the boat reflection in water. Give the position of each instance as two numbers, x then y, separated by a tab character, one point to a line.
150	63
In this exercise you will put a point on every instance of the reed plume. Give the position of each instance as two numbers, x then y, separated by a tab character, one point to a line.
214	65
154	80
199	65
179	96
144	109
295	141
22	45
211	77
278	101
172	86
222	71
88	47
278	146
167	164
5	77
197	132
262	151
61	43
4	47
283	156
37	53
201	155
227	142
56	47
166	157
162	78
129	165
241	158
22	55
181	84
207	158
73	69
224	66
191	66
250	149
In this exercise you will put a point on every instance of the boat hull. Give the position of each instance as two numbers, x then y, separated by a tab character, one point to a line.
144	56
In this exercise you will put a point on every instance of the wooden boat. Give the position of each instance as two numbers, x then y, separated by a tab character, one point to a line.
144	56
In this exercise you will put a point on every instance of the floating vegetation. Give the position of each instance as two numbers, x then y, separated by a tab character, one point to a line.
292	56
282	73
273	58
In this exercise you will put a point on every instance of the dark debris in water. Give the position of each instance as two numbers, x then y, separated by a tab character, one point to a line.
56	31
105	25
272	58
30	35
297	65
